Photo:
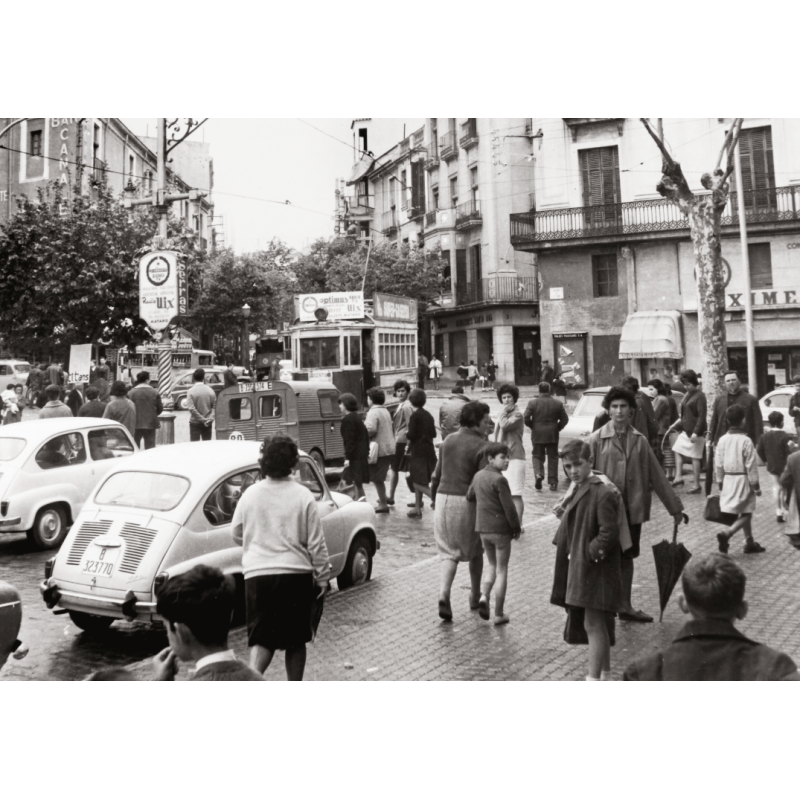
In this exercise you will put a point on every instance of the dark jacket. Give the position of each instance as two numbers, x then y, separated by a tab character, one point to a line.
790	477
712	650
460	457
547	374
55	375
420	434
773	448
94	408
546	417
559	387
226	671
694	413
75	401
496	512
355	437
148	406
462	372
753	423
229	378
588	555
122	410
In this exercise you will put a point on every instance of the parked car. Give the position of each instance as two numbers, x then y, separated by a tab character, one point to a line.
48	469
214	378
13	371
778	400
168	509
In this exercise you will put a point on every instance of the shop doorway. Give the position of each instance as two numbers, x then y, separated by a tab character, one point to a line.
775	366
527	356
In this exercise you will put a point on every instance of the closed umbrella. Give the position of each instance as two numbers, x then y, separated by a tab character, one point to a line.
671	558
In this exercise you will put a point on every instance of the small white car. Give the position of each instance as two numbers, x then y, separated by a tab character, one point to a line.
13	371
168	509
778	400
48	469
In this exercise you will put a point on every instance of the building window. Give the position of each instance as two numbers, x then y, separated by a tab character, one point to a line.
604	275
475	264
96	150
445	256
364	230
473	174
453	191
760	257
131	167
434	145
601	193
435	198
36	143
403	192
397	350
758	169
362	140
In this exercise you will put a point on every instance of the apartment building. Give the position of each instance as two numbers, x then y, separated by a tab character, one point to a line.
453	183
616	264
81	151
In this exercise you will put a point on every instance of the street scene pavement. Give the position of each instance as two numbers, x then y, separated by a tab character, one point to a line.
389	629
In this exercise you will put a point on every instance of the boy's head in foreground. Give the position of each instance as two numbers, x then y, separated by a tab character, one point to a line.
577	459
775	419
497	455
713	588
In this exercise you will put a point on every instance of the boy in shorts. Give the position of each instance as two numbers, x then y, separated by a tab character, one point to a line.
497	522
709	648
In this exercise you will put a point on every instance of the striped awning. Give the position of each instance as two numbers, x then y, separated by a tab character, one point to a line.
652	334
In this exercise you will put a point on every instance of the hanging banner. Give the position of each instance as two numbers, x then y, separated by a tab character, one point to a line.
80	362
159	300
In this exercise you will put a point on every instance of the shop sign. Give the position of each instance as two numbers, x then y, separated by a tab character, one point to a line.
162	294
393	308
339	305
570	352
80	360
556	292
320	375
761	298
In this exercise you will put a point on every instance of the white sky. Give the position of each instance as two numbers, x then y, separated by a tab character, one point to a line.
278	159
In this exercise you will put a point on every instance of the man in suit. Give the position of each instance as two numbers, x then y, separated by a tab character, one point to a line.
148	406
736	395
546	417
548	373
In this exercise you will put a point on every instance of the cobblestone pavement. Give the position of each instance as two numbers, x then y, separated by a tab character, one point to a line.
389	629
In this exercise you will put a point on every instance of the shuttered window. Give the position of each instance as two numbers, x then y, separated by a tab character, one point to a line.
461	268
475	264
600	177
604	275
758	169
418	187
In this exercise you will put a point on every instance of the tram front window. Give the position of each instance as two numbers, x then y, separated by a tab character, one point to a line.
320	353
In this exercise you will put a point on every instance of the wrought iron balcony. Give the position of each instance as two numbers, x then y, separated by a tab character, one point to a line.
430	219
504	289
362	205
649	217
414	212
389	222
469	134
468	215
448	147
432	161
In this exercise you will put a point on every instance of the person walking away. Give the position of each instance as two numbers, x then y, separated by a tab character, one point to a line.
121	408
422	370
356	443
54	407
33	383
148	406
547	372
400	429
422	454
709	647
497	524
774	448
624	455
509	430
559	389
379	426
790	483
197	607
75	398
472	375
692	441
284	560
41	397
460	458
736	473
54	375
491	372
200	400
753	424
546	417
435	372
229	377
92	407
450	412
588	572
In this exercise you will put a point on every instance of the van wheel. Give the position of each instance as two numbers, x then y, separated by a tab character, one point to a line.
319	460
358	567
89	622
180	403
49	528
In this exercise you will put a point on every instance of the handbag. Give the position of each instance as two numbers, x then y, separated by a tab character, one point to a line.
574	631
712	512
373	453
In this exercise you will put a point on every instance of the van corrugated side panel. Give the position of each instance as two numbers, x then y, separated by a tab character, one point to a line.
312	434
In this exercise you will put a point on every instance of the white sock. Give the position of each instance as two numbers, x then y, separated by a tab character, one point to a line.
606	676
590	678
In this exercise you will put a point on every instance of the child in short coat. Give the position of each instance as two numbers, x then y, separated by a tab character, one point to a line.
498	523
774	448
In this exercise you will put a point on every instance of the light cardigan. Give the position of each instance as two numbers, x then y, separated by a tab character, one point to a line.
379	427
277	524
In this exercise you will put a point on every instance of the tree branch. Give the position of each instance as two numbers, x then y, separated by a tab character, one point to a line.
673	184
657	139
732	140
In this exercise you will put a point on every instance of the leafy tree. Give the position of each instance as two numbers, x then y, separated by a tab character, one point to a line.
69	270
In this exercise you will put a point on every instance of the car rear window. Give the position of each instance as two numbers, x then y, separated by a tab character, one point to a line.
22	368
151	490
590	405
10	448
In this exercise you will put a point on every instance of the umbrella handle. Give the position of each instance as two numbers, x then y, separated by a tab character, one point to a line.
675	528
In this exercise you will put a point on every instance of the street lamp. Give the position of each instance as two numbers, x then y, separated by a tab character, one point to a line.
245	336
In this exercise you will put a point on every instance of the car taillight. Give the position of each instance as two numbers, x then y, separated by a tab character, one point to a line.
4	508
48	567
158	583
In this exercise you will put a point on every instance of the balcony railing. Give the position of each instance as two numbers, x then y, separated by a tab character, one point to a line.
363	204
468	215
780	204
430	219
389	222
469	134
448	147
432	161
505	289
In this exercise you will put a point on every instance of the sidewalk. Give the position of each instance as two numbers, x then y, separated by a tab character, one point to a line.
389	628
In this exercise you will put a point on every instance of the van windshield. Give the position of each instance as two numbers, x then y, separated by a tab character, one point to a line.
151	490
10	448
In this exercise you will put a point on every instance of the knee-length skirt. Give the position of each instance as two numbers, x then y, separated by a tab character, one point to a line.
454	529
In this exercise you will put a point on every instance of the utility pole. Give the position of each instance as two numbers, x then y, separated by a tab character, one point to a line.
752	378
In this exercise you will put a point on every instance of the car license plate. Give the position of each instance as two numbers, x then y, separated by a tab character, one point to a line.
101	562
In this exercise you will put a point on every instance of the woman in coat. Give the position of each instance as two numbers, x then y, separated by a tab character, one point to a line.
379	427
460	457
422	454
509	430
356	443
624	455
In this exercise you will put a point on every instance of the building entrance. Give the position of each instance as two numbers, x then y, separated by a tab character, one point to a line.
775	366
527	356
